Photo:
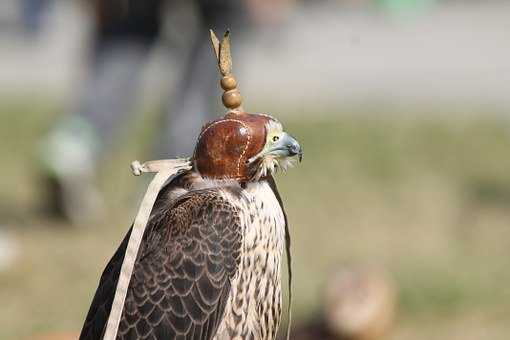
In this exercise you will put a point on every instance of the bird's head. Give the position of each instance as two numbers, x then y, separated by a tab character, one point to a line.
244	147
241	146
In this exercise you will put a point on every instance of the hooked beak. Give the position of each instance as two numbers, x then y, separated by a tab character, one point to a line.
287	146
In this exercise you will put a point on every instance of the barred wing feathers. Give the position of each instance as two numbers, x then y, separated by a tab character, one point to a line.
181	280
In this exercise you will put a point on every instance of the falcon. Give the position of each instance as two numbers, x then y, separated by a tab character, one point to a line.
209	264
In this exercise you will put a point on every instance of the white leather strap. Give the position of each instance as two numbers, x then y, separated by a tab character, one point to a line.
164	169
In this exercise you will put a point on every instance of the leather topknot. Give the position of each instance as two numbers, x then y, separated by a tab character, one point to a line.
225	145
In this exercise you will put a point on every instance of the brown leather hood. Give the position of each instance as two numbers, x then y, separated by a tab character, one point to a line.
225	145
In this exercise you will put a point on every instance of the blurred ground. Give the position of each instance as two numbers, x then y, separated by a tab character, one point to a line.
426	199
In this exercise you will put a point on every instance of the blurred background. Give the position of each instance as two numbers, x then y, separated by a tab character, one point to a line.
399	211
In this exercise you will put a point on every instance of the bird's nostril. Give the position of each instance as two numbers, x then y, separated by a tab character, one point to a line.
293	150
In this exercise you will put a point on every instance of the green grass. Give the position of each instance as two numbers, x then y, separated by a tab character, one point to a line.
425	200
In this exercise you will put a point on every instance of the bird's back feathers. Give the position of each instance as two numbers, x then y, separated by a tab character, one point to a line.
181	279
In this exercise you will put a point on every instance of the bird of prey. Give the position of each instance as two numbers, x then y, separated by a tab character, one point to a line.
209	263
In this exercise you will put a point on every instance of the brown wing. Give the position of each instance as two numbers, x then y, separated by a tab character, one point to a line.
103	299
181	279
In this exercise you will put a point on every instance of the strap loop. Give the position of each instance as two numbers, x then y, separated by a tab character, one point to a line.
164	169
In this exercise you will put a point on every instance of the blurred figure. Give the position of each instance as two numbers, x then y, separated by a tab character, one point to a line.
359	304
125	33
32	12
